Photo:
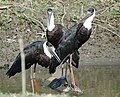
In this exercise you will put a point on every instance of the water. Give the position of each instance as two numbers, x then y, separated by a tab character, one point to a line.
94	81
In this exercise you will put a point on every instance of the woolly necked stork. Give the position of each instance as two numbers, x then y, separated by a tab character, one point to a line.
37	52
55	34
78	35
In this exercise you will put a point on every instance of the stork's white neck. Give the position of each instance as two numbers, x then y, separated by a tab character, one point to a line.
50	23
88	22
46	51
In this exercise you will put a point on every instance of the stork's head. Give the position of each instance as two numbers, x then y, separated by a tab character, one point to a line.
50	20
89	18
91	11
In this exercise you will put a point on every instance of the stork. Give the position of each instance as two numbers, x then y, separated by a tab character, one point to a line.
78	35
37	52
55	34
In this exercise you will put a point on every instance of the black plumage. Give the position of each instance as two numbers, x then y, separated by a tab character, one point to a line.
34	53
65	47
54	36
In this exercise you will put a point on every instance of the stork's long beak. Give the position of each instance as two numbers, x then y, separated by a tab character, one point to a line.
55	55
51	49
49	12
49	17
50	20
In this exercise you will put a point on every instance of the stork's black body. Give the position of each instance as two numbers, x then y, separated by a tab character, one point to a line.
76	37
55	36
34	53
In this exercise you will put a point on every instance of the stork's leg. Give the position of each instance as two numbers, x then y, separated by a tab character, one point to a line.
62	69
34	80
71	71
31	76
70	86
66	75
66	70
73	85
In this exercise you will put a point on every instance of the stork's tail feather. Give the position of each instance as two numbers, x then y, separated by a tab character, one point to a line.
9	73
12	71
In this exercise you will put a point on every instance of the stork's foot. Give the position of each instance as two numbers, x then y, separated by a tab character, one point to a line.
73	87
67	89
76	89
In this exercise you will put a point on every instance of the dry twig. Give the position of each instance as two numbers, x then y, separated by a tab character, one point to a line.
94	31
36	21
43	35
107	29
109	24
62	19
81	10
64	12
5	7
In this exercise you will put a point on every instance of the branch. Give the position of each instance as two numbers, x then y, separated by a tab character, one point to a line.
109	24
107	29
81	10
64	12
43	35
36	22
5	7
94	31
62	19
